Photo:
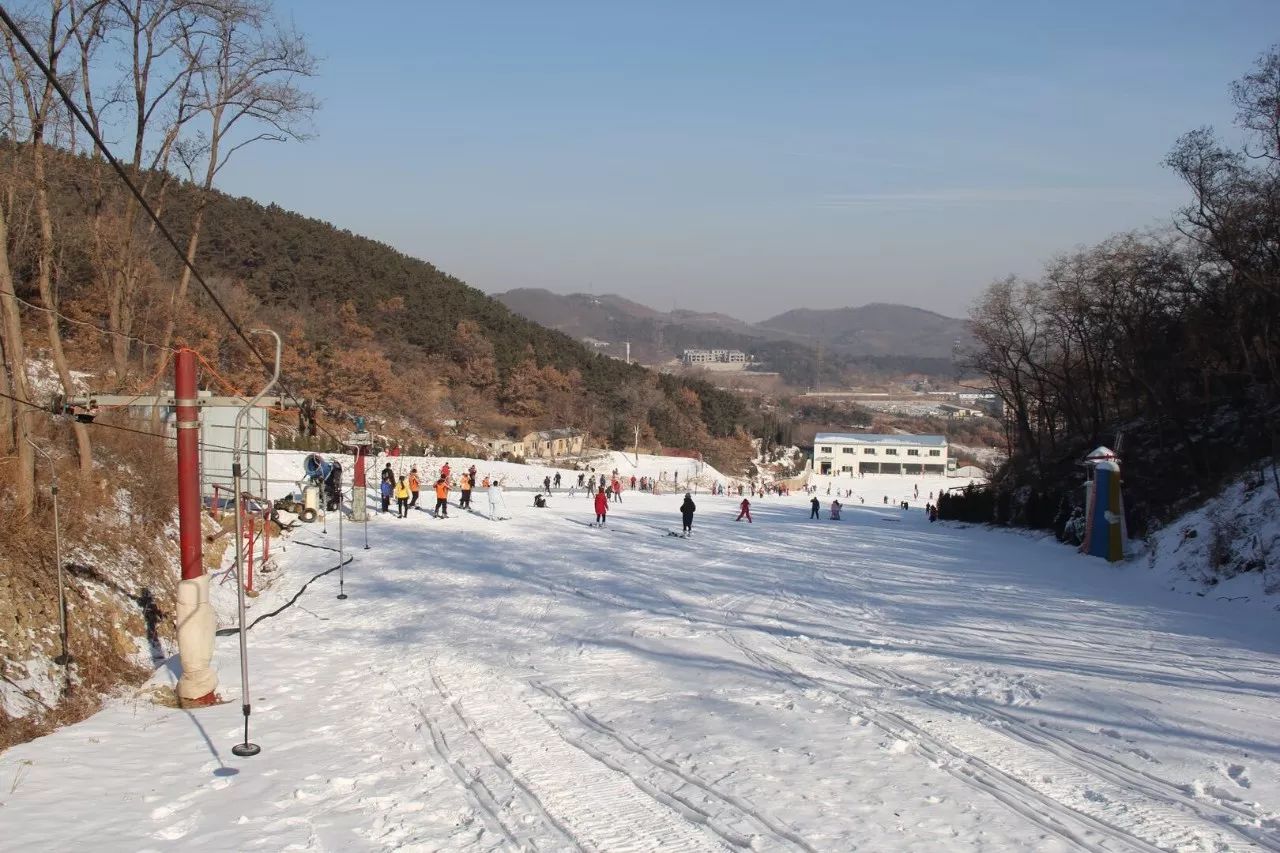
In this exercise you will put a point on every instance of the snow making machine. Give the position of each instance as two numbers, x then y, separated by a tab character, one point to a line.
321	477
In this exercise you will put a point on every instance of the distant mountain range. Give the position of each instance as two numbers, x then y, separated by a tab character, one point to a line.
876	330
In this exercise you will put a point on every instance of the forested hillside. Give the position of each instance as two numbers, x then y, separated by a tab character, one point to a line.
1165	346
370	330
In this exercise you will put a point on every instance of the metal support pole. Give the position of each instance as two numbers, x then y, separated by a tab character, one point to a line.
196	621
64	658
342	592
246	748
188	424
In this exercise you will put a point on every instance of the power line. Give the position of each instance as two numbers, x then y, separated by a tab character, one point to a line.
96	423
102	329
137	194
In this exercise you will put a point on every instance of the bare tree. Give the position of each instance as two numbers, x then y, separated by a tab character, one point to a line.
247	84
43	112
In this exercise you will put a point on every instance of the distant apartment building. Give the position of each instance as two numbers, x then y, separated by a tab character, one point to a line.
851	454
692	357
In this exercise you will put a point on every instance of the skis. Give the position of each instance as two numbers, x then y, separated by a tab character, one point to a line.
679	535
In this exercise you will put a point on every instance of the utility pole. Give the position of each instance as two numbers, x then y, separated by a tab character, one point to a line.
194	615
817	372
196	619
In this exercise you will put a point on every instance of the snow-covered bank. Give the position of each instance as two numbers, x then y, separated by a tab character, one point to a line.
1229	548
878	683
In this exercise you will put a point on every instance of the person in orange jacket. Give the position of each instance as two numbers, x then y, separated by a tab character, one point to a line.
602	506
442	499
746	511
465	483
414	486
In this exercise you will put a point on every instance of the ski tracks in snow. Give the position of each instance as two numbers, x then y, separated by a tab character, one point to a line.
739	823
538	788
1078	794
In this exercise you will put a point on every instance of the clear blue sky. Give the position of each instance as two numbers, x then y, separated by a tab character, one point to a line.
752	157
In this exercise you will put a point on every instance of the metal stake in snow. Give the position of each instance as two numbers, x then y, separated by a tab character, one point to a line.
65	658
246	748
342	594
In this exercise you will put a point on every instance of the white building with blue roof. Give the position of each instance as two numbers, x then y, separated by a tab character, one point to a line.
850	454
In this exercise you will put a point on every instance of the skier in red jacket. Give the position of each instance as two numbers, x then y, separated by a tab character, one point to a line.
746	511
602	506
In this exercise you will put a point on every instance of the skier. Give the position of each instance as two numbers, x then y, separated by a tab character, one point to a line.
414	486
633	482
746	511
495	498
617	490
388	476
471	474
444	472
539	501
602	506
814	504
835	510
556	480
581	475
442	499
402	498
546	483
385	489
465	483
686	513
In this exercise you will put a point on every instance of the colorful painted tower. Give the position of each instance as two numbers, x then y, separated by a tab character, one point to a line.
1104	508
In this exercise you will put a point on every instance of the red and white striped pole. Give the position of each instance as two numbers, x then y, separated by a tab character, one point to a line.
196	620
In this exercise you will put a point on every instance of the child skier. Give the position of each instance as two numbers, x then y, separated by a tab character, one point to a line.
746	511
442	499
385	489
402	499
602	506
494	491
687	510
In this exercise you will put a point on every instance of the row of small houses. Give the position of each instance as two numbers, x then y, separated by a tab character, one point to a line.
542	444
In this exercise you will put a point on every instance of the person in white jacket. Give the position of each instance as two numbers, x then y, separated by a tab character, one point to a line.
496	500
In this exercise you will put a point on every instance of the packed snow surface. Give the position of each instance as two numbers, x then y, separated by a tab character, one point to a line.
875	683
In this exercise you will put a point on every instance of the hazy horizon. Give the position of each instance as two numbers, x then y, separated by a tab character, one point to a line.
749	158
729	311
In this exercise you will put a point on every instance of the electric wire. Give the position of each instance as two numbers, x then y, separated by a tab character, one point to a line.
103	329
120	171
96	423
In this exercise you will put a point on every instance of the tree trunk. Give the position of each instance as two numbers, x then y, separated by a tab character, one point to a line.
184	282
16	364
44	277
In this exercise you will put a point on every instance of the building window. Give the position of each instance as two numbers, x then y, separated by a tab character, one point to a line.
869	451
913	452
847	469
892	451
935	452
847	449
824	449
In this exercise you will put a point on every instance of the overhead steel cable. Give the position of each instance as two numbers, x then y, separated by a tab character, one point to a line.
96	423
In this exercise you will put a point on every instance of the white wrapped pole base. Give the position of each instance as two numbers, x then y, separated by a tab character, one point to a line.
196	626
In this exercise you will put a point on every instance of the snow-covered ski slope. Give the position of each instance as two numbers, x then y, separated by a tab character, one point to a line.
877	683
